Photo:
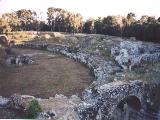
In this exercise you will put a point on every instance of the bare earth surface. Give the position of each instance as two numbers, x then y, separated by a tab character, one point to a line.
50	74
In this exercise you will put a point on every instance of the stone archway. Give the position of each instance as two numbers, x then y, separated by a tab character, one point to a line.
131	101
127	108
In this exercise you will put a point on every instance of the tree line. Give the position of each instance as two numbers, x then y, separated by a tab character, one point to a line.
147	28
26	20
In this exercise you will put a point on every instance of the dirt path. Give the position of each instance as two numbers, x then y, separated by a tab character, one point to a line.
49	75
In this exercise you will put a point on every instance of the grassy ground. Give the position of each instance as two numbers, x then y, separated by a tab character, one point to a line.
22	36
49	75
150	72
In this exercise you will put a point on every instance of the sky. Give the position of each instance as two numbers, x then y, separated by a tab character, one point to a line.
87	8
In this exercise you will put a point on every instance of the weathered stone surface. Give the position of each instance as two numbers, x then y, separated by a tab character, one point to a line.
107	98
59	107
19	60
59	35
20	101
4	101
129	54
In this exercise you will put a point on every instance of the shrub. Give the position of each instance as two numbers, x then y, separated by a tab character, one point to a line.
33	109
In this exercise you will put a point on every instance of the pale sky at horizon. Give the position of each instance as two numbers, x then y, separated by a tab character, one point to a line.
87	8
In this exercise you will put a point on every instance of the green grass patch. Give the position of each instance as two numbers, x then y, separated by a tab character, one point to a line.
33	109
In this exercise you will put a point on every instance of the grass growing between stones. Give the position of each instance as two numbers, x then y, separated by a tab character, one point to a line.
149	72
33	109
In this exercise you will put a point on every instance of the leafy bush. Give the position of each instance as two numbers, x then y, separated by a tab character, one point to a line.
33	109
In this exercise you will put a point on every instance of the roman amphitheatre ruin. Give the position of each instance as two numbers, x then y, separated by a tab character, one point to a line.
80	77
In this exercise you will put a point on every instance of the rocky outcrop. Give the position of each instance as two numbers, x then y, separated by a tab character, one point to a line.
130	54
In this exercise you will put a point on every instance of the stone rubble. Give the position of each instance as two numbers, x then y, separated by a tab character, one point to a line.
58	107
19	60
4	101
130	54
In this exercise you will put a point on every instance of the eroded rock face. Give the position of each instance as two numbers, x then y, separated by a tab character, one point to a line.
130	54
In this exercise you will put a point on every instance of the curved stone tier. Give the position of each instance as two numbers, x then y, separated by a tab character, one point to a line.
101	98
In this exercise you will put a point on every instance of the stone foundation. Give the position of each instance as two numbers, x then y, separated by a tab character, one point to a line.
19	60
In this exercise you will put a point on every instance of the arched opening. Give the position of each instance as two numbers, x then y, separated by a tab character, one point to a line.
130	101
127	109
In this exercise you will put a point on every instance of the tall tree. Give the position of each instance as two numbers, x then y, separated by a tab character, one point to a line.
98	26
131	18
88	26
53	17
62	20
111	26
12	20
4	26
26	17
144	19
151	19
